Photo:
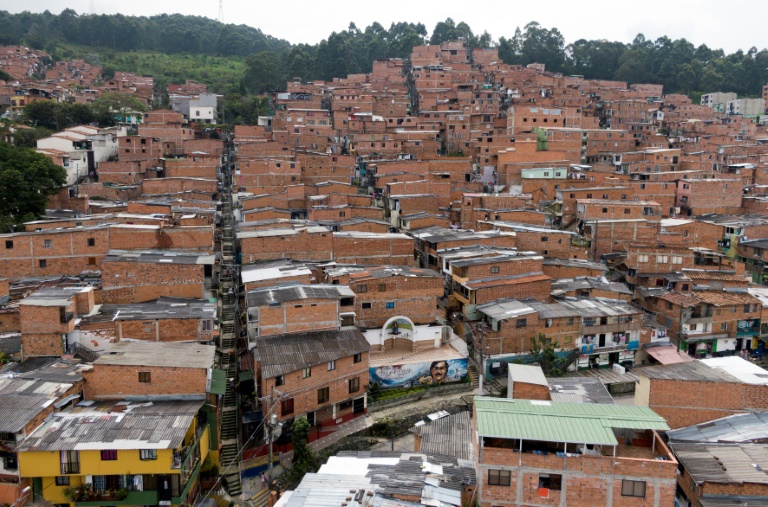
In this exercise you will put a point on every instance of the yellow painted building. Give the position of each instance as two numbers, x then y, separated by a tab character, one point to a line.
118	453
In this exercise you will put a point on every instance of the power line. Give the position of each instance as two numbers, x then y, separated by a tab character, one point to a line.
236	458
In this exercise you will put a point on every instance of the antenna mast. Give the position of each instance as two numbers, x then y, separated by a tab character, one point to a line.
221	11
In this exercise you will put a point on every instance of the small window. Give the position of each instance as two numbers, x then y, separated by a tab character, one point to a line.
354	385
332	365
366	306
306	372
550	481
362	288
47	243
145	376
724	326
147	454
382	287
633	488
494	270
43	263
91	241
521	323
323	395
569	321
9	244
499	477
358	357
109	455
280	380
62	480
389	305
544	239
286	406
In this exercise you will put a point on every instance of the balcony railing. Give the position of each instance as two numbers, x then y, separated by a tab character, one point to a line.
186	460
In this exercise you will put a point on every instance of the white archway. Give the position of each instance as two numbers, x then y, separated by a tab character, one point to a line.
403	332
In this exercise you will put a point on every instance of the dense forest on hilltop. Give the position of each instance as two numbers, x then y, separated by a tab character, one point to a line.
256	62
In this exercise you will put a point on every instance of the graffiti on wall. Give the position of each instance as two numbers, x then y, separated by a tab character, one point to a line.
407	375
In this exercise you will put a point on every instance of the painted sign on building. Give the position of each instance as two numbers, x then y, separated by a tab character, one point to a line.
413	374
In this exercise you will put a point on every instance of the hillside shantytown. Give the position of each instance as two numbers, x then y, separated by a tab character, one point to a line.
447	282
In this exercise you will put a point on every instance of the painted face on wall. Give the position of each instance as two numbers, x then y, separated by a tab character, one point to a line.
438	370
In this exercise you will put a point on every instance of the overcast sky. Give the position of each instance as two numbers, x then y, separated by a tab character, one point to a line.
714	23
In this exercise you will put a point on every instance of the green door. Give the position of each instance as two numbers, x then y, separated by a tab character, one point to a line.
37	488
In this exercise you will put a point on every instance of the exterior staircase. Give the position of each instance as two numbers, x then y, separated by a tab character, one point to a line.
473	376
228	351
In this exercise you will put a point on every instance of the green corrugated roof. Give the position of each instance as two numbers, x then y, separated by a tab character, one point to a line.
552	421
218	381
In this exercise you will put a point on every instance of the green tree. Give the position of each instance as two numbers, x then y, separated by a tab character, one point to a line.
42	113
304	458
27	179
113	107
543	46
544	352
263	72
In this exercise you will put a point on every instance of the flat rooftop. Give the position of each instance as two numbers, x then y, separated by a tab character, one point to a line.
120	425
175	355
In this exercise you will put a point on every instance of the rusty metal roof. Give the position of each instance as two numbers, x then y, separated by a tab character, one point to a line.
281	354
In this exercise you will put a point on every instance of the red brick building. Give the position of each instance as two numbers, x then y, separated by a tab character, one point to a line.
611	457
321	375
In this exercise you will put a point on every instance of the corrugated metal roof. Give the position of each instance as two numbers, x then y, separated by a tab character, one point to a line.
582	307
527	374
560	422
295	292
162	308
449	436
179	355
115	425
668	354
281	354
218	381
724	463
588	389
694	371
159	257
738	428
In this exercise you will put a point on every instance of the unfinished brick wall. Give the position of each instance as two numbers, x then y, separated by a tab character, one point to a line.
193	238
135	282
373	250
298	316
162	330
52	253
302	246
108	381
684	403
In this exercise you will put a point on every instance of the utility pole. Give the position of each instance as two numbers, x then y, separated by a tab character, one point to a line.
270	427
482	355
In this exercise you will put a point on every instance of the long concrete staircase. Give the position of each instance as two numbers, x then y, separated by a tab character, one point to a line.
228	344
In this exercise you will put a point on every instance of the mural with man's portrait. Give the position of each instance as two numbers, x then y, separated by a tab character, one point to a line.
407	375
